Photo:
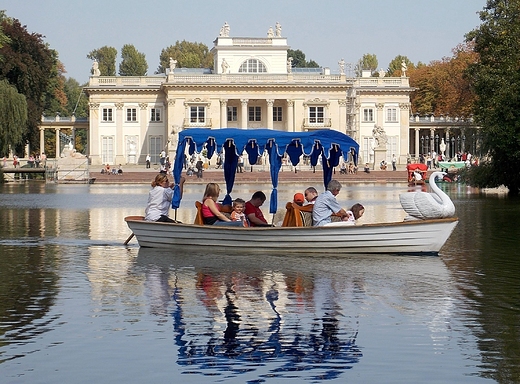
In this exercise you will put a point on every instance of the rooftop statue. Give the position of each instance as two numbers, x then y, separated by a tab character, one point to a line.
270	32
224	31
95	69
278	29
173	64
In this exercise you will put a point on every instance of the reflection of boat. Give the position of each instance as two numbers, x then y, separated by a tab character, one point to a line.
418	236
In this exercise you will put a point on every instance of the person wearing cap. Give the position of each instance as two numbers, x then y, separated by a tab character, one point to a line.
299	198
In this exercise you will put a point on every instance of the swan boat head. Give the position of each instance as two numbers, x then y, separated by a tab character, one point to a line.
428	205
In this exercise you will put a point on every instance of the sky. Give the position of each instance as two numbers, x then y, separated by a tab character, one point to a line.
326	31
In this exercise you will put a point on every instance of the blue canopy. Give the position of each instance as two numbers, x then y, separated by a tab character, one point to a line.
328	144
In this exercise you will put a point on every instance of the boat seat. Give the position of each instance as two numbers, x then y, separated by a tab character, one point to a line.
297	215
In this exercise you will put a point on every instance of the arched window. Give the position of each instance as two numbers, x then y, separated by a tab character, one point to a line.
252	66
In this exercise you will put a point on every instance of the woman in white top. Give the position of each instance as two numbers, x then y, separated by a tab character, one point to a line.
160	199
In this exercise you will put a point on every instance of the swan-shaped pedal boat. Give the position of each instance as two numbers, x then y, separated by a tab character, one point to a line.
424	205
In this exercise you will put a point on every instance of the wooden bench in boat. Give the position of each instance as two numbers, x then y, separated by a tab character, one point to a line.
300	216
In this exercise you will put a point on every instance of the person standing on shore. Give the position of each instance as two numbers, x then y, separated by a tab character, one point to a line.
394	163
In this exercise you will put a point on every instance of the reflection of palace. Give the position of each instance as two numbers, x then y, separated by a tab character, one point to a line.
234	320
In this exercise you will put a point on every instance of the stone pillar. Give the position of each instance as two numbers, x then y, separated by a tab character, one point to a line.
42	140
223	113
379	155
93	136
57	143
170	124
144	118
290	115
404	133
416	154
270	103
380	118
342	114
243	113
119	141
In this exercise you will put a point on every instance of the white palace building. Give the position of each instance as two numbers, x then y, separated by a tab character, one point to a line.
252	85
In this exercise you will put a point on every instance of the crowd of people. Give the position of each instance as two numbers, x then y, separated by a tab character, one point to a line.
326	209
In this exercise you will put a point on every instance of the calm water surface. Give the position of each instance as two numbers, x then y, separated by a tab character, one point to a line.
76	306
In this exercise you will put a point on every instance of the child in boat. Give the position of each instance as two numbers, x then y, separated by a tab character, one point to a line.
354	213
238	211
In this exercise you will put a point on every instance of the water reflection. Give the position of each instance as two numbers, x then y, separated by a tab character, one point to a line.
239	318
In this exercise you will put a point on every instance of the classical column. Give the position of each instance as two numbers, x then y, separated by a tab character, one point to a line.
243	113
380	118
342	114
223	113
94	145
404	133
42	140
270	103
119	139
170	124
416	154
144	118
290	115
57	143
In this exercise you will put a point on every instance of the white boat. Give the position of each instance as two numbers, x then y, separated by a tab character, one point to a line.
429	227
406	237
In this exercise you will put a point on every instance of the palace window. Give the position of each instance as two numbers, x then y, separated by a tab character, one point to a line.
197	114
391	115
277	113
155	114
255	114
252	66
131	114
231	113
316	115
368	114
107	114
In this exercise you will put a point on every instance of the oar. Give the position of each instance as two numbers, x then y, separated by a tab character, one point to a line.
129	238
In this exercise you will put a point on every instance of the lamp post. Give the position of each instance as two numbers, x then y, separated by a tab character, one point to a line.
422	145
437	143
452	149
427	144
463	143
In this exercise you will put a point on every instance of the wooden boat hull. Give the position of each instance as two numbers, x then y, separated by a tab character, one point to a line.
407	237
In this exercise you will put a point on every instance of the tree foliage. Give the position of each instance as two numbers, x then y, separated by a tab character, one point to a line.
442	87
133	63
13	117
106	58
396	65
187	54
367	62
299	60
29	65
496	80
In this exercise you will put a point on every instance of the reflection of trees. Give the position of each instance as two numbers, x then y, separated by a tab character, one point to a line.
28	287
246	326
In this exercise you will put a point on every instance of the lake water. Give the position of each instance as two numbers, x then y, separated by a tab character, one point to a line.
76	306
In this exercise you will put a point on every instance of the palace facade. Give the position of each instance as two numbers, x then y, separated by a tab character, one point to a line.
252	85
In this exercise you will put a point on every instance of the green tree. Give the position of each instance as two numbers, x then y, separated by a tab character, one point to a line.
133	63
77	101
13	117
187	54
106	58
29	65
395	66
299	60
367	62
496	81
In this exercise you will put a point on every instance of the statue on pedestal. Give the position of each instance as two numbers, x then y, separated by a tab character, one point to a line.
224	31
270	32
341	64
173	64
225	66
404	67
380	137
278	29
289	64
95	69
